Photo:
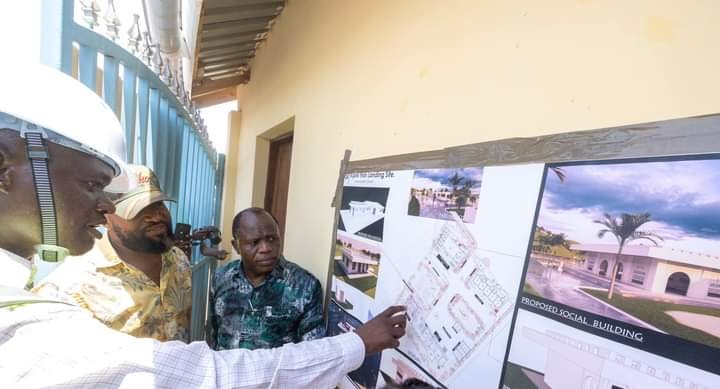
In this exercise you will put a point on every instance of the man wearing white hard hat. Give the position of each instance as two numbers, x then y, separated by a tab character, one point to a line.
134	280
60	146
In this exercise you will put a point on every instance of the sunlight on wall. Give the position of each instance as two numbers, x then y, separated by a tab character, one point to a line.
216	118
384	78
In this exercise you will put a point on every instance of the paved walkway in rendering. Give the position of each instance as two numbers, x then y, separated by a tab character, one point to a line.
705	323
438	209
562	288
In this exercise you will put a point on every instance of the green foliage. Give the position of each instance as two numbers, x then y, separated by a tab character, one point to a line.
547	242
527	288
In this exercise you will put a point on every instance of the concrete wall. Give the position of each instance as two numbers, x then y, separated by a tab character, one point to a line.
388	77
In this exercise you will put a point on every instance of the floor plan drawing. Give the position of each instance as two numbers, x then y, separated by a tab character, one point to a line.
453	302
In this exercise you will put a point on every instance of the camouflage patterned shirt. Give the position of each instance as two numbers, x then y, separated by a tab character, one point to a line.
285	308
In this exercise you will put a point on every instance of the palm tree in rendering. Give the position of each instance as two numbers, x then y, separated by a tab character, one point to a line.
455	180
625	229
559	172
463	195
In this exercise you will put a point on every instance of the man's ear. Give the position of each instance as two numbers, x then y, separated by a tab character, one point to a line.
234	244
5	177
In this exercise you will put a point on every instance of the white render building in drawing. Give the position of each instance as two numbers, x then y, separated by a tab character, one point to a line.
366	208
657	269
356	263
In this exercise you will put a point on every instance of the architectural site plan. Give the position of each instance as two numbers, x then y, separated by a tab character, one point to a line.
453	302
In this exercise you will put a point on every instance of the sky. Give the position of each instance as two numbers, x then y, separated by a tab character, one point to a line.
216	119
683	198
437	178
20	30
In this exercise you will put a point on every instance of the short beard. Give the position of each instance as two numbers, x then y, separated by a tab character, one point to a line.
138	242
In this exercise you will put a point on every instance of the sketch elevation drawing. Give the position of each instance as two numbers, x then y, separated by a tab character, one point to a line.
576	364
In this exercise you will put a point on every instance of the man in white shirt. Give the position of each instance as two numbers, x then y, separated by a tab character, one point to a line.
60	146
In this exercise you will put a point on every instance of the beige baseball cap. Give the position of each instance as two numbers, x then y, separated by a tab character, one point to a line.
147	192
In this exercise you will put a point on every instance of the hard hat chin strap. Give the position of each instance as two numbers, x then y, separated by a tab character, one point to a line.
37	152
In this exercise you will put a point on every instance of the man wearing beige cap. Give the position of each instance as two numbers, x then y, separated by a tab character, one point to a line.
66	147
134	280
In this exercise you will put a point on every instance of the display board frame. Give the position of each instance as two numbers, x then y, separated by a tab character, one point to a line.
692	136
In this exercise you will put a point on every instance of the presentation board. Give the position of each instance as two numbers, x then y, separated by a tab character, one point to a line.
519	272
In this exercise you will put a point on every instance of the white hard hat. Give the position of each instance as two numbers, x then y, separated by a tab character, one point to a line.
45	105
70	114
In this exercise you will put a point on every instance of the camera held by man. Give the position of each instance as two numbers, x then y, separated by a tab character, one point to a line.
186	238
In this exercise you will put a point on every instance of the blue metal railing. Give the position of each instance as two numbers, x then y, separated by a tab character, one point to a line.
160	131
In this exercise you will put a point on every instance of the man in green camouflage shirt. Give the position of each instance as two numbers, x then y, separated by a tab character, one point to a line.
263	300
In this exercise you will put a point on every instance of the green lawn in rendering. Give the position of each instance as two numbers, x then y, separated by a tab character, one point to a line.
527	288
653	312
338	250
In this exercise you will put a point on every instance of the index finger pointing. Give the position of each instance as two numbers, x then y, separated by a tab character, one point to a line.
393	310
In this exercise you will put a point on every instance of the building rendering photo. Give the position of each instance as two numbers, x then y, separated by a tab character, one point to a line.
635	242
357	262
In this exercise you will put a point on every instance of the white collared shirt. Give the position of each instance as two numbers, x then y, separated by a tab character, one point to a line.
15	270
53	344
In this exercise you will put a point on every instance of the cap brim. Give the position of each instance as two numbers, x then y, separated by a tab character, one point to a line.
129	207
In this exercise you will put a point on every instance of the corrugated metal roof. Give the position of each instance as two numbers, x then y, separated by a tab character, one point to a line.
229	33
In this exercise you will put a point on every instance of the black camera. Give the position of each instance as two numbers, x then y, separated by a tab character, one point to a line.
185	234
210	233
186	237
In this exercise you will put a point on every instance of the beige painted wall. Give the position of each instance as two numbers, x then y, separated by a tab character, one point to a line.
230	179
388	77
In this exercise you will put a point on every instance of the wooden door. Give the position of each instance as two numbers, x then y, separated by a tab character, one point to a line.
278	180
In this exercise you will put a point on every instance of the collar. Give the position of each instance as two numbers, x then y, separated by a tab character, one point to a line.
109	257
15	270
277	272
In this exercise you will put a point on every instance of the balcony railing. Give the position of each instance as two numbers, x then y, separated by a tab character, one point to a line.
162	127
